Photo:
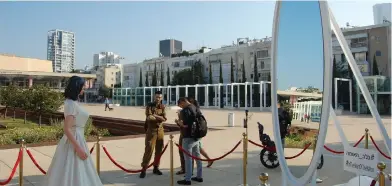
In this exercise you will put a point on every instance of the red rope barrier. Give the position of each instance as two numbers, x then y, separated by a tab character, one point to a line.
14	168
341	152
373	183
274	150
300	153
215	159
35	162
157	159
92	149
375	144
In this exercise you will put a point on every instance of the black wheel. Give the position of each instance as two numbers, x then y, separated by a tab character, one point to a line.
320	162
269	159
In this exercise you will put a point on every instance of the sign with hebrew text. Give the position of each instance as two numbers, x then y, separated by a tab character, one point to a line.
360	161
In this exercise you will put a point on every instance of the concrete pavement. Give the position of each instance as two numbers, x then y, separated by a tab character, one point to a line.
128	152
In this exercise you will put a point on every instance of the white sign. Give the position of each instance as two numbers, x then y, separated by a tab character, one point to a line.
360	161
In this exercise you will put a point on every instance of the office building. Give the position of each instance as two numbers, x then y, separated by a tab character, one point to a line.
106	58
382	13
109	76
367	43
61	50
168	47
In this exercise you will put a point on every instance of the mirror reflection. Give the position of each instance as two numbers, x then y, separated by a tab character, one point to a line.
300	67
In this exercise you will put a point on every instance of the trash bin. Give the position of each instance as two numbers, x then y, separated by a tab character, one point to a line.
230	120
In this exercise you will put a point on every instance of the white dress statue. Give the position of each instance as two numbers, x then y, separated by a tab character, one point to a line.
67	167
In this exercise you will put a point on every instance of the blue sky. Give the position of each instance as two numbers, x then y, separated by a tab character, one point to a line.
133	29
300	46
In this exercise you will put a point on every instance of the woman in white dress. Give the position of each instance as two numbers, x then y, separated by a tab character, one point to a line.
72	164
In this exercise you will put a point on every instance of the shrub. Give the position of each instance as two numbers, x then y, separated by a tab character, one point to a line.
32	133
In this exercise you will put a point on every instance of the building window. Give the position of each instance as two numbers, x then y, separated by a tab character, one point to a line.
360	57
259	75
176	64
378	53
262	65
251	76
358	42
189	63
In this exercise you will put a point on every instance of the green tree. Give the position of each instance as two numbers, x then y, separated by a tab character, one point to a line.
25	101
45	100
182	77
375	66
192	76
255	70
256	79
243	72
104	91
140	78
162	78
210	89
146	84
232	70
168	76
210	73
154	76
15	97
7	97
221	81
198	71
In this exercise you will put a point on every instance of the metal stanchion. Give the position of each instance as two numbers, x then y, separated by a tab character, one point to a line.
366	138
245	156
98	155
22	141
314	143
171	161
381	175
264	179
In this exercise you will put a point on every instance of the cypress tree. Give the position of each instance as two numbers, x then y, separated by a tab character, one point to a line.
231	70
243	72
146	84
168	76
375	66
255	70
140	78
154	76
162	78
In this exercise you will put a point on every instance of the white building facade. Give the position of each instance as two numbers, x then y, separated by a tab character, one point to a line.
106	58
131	75
61	50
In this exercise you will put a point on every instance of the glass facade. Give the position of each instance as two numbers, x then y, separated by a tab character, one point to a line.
380	91
214	95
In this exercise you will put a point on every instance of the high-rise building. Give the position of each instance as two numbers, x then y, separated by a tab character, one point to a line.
106	58
382	13
168	47
61	50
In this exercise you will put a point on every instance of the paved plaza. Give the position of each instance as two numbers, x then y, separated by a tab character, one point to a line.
226	172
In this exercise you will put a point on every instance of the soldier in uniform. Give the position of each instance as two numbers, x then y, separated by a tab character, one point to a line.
155	116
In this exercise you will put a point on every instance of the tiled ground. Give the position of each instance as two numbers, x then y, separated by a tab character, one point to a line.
128	152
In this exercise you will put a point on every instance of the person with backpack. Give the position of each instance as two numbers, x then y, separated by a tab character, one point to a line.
194	128
202	151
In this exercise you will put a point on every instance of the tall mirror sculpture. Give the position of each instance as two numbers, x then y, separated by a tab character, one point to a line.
300	78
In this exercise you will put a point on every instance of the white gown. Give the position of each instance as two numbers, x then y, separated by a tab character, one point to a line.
67	169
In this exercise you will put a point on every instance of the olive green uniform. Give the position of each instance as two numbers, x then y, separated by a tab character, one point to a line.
154	133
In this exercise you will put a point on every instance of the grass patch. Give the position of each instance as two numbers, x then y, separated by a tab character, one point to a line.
32	133
297	141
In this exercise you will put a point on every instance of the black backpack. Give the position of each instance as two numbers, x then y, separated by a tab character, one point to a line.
199	126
